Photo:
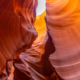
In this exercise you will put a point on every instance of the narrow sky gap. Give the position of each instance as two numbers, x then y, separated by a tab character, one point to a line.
41	7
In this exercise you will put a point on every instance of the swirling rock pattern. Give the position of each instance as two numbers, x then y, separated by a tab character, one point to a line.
17	31
62	37
36	61
63	22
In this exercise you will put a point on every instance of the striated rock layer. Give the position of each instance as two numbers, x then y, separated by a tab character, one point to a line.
37	62
17	30
63	22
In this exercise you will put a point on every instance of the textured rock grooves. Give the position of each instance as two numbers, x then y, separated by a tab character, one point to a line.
58	52
16	29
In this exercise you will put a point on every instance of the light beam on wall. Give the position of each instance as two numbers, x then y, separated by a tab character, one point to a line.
41	7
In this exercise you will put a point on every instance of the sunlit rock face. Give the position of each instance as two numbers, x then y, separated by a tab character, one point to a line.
57	47
63	22
17	31
34	59
40	26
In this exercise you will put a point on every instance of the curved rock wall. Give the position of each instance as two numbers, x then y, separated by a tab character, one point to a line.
37	62
17	31
63	22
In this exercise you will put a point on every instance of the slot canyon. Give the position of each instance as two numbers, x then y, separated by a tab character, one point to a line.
39	46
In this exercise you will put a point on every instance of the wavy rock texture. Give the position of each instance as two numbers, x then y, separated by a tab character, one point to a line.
17	31
62	37
63	22
36	61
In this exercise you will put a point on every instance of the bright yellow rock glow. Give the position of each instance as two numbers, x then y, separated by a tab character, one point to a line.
40	26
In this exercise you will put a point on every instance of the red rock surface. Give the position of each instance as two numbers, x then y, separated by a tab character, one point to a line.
57	54
17	31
